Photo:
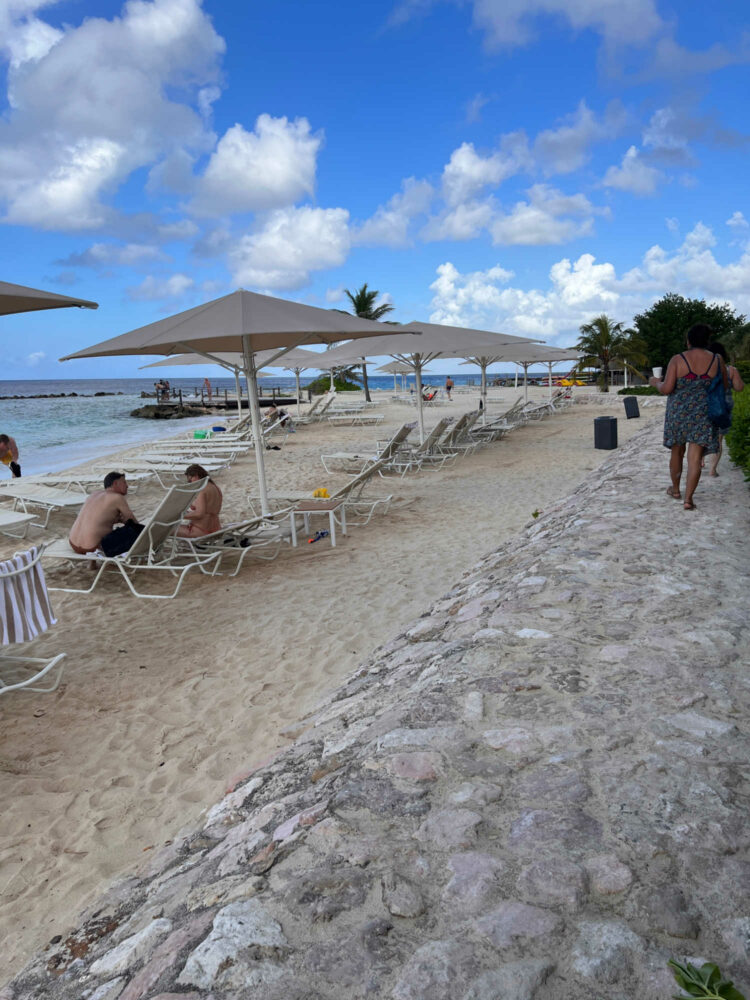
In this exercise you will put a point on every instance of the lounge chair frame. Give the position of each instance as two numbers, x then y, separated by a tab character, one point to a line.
14	669
154	549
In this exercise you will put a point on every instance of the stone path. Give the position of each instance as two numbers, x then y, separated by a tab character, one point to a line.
538	791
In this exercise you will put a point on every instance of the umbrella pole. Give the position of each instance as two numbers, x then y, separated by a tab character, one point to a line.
549	367
238	390
515	381
420	411
252	399
525	382
484	393
299	390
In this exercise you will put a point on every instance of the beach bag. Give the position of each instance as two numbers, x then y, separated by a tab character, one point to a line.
120	539
718	411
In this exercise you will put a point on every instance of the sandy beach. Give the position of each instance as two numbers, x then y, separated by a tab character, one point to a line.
164	703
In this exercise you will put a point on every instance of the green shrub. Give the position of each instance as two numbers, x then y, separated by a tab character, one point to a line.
322	384
639	390
738	438
743	367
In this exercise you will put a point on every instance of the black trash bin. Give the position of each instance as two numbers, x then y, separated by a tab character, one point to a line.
605	433
631	407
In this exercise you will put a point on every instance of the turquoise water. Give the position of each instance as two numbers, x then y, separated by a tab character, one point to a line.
53	434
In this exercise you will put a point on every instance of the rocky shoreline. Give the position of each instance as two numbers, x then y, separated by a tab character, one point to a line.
536	791
64	395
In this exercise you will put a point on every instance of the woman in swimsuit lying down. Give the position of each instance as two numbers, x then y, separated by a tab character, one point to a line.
202	515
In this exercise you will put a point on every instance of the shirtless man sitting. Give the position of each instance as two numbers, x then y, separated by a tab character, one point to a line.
100	513
202	516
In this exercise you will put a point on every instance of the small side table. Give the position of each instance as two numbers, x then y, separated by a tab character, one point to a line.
330	507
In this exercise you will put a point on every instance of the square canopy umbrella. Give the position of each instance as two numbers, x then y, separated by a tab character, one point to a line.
245	322
524	355
435	341
399	368
20	299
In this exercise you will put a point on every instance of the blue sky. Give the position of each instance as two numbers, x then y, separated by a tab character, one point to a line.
514	165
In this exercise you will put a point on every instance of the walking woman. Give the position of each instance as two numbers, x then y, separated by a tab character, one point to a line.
686	423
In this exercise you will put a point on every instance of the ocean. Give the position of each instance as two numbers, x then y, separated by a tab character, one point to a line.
53	434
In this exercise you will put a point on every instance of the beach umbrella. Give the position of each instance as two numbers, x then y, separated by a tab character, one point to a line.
399	368
20	299
245	322
523	354
297	360
435	341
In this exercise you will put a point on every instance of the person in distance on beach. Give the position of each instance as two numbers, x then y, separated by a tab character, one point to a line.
9	455
202	515
686	422
448	386
735	382
99	515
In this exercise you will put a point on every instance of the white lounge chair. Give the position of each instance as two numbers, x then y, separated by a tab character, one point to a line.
257	536
14	523
425	454
361	460
153	550
457	438
44	499
360	417
25	613
83	482
169	468
496	428
314	415
359	508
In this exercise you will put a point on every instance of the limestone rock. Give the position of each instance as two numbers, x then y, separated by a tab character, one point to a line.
517	922
239	952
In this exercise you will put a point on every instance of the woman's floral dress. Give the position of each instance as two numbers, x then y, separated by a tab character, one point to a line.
686	420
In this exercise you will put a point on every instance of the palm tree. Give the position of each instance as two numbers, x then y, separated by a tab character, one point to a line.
603	342
363	305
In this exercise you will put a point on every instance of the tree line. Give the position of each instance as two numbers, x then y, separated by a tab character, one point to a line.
657	334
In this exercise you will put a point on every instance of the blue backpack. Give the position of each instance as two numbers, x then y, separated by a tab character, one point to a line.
718	410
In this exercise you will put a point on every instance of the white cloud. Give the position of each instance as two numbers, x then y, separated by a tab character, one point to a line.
104	255
292	243
390	224
633	175
35	358
548	217
462	222
510	22
565	148
583	288
93	103
270	167
737	221
467	172
475	106
152	288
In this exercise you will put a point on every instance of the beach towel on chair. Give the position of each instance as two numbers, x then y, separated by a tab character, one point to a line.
25	611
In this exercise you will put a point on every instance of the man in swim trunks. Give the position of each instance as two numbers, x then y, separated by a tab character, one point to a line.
100	513
9	455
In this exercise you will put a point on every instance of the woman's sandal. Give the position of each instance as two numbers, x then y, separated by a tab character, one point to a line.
689	505
671	493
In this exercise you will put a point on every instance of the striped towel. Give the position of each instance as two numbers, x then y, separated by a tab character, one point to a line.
25	610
